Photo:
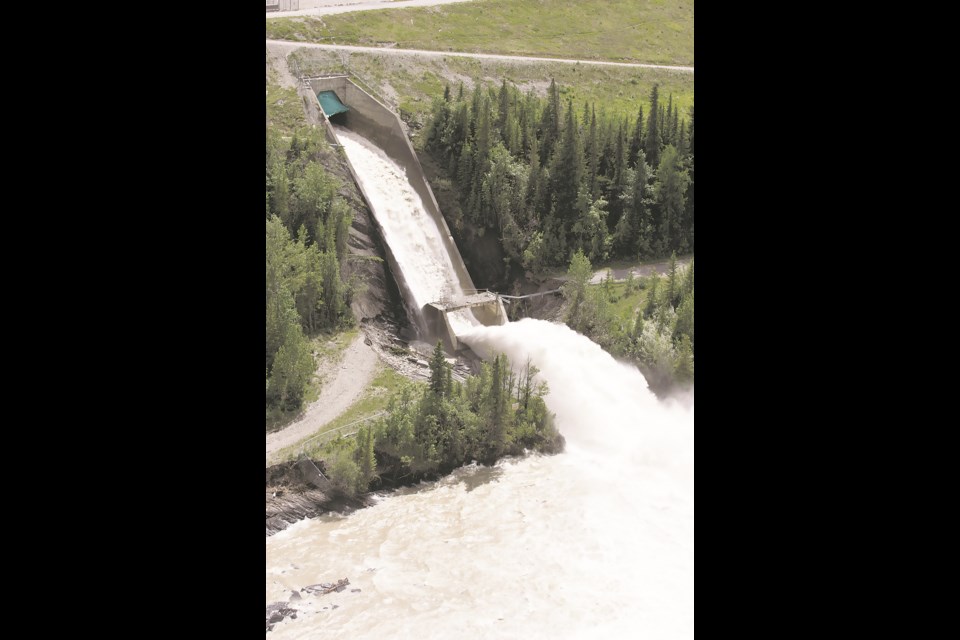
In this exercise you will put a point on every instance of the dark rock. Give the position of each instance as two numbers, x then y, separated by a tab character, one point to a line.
294	595
354	590
277	612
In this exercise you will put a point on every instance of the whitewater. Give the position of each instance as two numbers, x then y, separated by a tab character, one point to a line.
597	542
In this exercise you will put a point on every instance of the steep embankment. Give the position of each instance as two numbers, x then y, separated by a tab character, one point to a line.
296	491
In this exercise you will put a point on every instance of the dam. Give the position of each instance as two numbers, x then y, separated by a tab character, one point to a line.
438	292
596	542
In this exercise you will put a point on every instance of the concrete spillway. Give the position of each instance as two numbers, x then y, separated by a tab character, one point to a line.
420	249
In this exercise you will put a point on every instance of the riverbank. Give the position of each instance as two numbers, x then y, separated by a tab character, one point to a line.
296	490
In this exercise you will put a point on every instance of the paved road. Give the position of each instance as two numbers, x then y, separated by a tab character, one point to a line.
330	7
457	54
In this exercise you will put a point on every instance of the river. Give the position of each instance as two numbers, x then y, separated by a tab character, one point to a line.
597	542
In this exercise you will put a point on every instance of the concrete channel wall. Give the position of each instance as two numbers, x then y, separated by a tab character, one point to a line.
374	121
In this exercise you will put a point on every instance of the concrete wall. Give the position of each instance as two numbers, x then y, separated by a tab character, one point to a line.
438	326
288	5
490	314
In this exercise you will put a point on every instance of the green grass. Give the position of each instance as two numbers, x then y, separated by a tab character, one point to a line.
373	400
284	109
653	31
623	304
415	81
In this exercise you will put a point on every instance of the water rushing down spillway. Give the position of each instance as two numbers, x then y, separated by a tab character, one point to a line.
597	542
411	233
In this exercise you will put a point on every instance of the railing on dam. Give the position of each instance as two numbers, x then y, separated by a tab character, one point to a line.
477	297
471	298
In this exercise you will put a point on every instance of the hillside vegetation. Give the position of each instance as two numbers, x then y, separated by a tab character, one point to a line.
652	31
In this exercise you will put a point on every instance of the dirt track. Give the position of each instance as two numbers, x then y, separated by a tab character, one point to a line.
619	274
345	381
458	54
330	7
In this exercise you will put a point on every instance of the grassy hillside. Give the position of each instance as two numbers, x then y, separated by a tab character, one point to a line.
653	31
410	83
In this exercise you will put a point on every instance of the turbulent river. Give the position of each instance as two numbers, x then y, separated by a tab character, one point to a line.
596	542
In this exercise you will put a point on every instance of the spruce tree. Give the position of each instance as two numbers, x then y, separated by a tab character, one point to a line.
683	367
593	156
366	459
503	111
567	170
675	127
550	123
636	140
691	130
668	125
672	187
653	141
651	305
688	279
673	287
640	209
438	374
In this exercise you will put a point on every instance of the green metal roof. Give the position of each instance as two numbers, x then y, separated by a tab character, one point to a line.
331	103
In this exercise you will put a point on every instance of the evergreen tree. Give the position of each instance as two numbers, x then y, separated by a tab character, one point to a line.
653	140
535	191
625	228
366	458
683	368
550	123
636	140
438	371
575	288
675	127
641	209
673	286
503	111
688	220
496	409
593	156
691	130
684	326
673	182
688	279
651	306
567	171
668	124
280	191
292	366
